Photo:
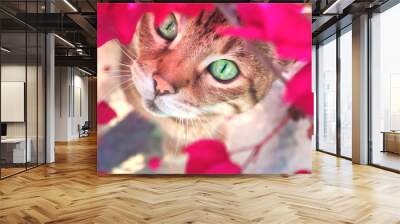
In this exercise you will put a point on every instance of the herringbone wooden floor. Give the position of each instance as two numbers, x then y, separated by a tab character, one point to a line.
69	191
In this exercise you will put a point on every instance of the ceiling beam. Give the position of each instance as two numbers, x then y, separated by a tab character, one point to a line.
337	7
78	61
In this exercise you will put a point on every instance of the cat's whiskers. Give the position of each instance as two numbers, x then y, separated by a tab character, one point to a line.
124	65
186	108
126	52
121	78
176	142
204	122
128	86
191	121
183	132
186	132
203	127
209	126
108	94
118	76
118	71
200	126
179	137
141	82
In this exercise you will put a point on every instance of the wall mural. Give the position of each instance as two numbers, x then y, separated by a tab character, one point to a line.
203	88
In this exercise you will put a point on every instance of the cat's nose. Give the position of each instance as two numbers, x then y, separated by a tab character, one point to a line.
162	87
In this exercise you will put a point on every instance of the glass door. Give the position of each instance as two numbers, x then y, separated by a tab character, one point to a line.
22	89
385	89
14	153
345	92
327	95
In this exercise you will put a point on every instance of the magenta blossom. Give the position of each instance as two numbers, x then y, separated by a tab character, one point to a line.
289	30
119	20
303	171
116	21
105	113
282	24
298	91
209	157
154	163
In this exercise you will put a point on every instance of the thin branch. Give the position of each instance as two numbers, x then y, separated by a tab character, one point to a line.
257	148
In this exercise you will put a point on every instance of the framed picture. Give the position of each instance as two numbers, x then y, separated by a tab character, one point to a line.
205	88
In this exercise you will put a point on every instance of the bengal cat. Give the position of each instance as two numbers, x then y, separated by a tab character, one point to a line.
189	79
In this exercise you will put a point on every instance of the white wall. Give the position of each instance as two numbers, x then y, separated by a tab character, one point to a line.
62	81
16	73
81	102
71	102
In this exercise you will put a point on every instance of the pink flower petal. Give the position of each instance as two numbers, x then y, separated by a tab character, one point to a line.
209	156
224	168
154	163
119	20
104	113
298	91
282	24
303	171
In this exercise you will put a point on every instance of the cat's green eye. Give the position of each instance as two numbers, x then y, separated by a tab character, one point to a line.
223	70
168	28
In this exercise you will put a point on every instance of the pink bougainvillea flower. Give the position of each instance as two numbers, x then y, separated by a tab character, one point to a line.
303	171
105	113
161	10
209	157
298	91
118	20
282	24
154	163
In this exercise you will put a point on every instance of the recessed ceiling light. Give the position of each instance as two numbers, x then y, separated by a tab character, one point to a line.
5	50
70	5
64	40
84	71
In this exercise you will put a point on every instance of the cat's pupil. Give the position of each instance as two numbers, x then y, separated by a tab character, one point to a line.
223	68
169	26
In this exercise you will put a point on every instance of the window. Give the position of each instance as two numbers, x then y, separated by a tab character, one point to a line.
346	93
22	79
327	95
385	89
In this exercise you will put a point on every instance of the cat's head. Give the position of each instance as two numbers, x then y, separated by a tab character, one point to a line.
183	69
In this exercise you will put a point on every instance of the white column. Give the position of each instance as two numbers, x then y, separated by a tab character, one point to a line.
50	92
360	90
